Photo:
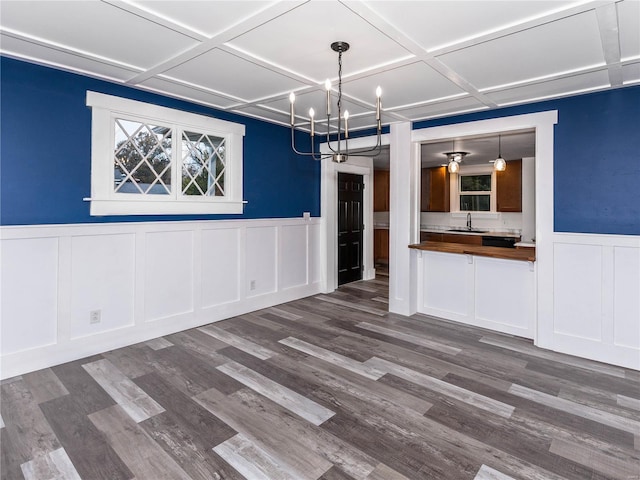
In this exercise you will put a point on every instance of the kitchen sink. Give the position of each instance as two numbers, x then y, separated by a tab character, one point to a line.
466	230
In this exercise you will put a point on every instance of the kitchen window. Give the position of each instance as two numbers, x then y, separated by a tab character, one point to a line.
475	192
147	159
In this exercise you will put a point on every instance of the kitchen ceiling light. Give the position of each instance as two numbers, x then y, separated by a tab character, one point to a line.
500	165
339	154
455	158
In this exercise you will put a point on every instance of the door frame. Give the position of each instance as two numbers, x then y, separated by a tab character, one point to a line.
329	209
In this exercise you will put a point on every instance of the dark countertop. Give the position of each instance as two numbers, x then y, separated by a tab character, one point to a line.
527	254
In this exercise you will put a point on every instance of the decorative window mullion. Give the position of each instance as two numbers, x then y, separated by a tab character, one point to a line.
146	162
176	162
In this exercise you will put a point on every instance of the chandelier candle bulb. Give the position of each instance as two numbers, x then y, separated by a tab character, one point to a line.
327	85
292	99
346	124
311	114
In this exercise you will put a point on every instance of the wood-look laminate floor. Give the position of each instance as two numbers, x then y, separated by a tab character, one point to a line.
330	387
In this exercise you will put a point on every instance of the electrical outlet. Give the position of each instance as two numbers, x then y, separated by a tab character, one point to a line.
95	316
252	285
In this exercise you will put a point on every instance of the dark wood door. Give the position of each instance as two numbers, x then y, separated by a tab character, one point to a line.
350	226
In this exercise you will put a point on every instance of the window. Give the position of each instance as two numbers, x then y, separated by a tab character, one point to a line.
475	193
147	159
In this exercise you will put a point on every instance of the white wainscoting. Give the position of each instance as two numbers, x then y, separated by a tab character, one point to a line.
485	292
146	279
596	298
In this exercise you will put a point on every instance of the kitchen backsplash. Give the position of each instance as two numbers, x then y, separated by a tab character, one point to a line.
495	222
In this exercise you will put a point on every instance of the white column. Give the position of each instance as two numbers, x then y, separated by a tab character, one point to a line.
403	220
528	199
544	232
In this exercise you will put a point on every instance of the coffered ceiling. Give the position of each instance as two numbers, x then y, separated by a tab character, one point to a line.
431	58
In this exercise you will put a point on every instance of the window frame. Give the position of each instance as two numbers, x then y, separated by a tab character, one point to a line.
473	170
105	201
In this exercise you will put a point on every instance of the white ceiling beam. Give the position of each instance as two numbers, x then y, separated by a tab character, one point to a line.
374	19
70	50
128	7
265	15
609	34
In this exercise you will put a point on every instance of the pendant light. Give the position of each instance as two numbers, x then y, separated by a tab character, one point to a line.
454	158
500	165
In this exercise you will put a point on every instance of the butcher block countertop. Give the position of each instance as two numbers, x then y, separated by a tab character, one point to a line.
525	254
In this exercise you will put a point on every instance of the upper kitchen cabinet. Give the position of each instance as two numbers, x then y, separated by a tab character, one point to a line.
435	190
381	190
509	188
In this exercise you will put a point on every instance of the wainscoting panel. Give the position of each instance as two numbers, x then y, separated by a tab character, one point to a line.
220	281
446	285
145	279
315	255
505	295
626	302
29	293
169	274
262	258
578	290
103	281
293	256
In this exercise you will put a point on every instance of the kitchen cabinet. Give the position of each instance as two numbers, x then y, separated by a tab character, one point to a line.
430	237
462	238
434	190
381	244
381	190
509	188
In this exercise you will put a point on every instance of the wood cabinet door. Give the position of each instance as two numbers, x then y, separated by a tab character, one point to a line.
381	190
430	237
462	238
434	191
509	188
381	244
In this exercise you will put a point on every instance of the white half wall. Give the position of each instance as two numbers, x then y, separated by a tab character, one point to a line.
596	298
145	280
492	293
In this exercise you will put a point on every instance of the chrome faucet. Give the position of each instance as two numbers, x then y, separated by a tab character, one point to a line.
469	221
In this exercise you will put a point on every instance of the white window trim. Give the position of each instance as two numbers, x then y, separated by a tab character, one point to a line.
474	170
104	201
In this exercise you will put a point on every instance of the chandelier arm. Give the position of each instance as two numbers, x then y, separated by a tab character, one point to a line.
293	146
377	148
312	154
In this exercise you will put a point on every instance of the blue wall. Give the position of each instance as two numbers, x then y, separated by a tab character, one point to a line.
45	154
595	133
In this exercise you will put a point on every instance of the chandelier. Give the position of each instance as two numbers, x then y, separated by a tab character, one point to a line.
340	131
